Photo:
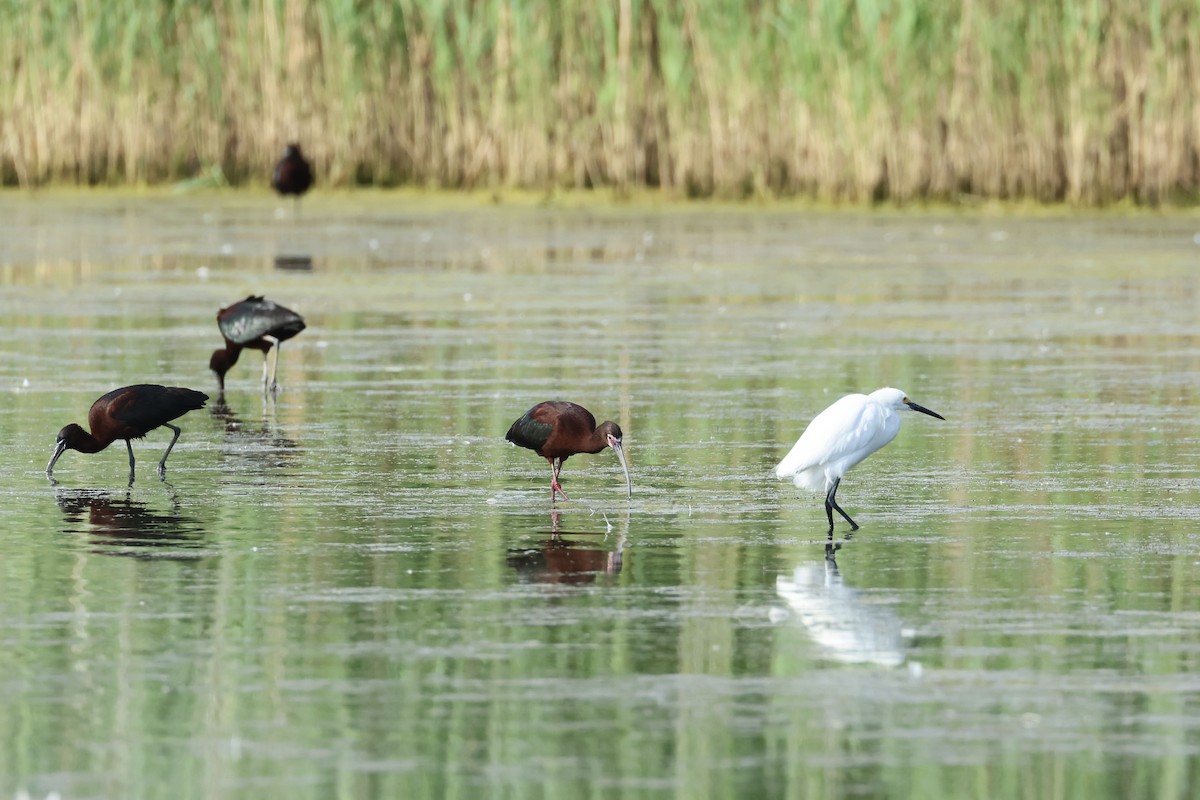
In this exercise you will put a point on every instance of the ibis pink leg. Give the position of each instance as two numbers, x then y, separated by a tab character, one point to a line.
556	466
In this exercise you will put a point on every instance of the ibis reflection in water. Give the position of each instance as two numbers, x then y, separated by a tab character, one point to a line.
124	526
261	444
847	626
570	561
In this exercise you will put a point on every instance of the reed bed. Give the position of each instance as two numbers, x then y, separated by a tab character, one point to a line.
1086	101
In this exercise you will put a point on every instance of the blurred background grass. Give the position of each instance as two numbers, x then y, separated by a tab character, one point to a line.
1085	101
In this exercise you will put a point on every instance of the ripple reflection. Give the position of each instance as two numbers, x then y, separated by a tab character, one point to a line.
568	561
850	628
124	526
261	444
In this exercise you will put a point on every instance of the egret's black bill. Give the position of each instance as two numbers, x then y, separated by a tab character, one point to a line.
923	410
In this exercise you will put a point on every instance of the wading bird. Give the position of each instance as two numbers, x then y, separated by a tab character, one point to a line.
129	413
840	437
255	323
292	174
557	430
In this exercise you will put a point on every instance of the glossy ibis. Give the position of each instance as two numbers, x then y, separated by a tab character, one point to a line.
557	430
840	437
129	413
254	323
293	174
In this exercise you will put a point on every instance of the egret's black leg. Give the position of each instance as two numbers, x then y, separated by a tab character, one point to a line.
162	465
831	506
129	445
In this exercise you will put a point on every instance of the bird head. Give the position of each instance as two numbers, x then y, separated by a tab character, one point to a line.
612	435
897	400
68	438
220	362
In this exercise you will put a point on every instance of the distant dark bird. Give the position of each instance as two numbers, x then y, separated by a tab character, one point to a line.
839	437
557	430
129	413
292	175
254	323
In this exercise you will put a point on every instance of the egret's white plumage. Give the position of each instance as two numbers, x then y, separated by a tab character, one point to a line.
842	435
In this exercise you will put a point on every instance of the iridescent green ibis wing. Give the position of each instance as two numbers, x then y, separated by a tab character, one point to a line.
134	411
554	419
253	323
255	317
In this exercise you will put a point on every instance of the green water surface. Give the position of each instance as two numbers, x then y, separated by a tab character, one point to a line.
361	590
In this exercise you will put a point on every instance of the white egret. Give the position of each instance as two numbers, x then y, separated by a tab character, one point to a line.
840	437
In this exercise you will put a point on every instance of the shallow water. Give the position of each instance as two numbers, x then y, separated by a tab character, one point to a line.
360	589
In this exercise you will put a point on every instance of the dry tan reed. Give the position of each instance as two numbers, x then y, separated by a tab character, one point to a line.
1088	101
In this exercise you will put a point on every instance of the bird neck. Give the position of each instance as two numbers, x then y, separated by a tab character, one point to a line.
599	440
223	359
85	442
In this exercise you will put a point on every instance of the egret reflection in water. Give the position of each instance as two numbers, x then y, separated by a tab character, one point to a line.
849	627
568	561
120	525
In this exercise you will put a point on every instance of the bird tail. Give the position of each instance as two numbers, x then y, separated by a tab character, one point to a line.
795	461
811	478
803	473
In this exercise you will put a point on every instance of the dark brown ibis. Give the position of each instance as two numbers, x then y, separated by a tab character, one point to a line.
557	430
255	323
129	413
293	174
